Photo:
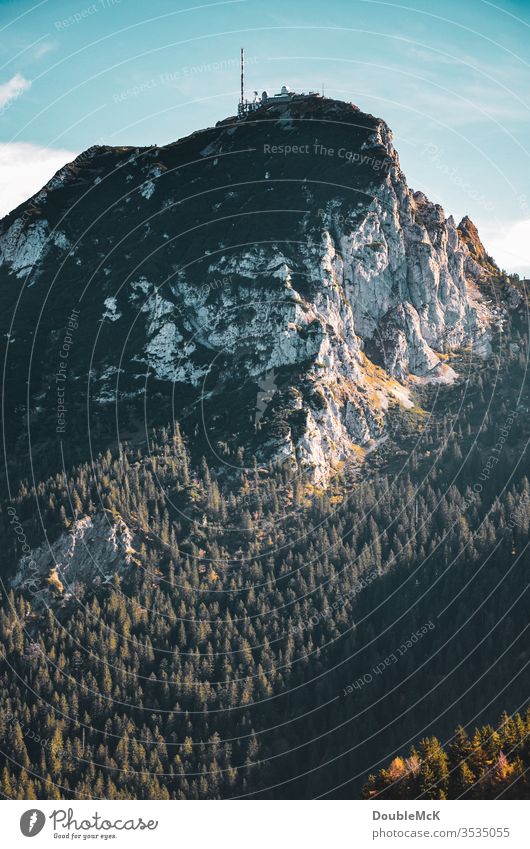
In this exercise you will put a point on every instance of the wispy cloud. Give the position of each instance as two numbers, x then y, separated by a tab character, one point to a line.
43	48
467	105
430	57
14	87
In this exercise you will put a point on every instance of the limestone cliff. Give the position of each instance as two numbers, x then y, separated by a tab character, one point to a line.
284	250
90	553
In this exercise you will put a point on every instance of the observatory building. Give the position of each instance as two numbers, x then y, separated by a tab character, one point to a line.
247	106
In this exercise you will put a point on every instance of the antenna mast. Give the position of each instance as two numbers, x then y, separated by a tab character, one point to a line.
245	107
242	77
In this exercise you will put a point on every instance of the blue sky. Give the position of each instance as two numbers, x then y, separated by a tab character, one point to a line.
450	78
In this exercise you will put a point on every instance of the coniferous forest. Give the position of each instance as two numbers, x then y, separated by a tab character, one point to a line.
271	639
491	763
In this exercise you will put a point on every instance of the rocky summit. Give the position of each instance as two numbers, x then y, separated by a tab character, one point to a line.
272	283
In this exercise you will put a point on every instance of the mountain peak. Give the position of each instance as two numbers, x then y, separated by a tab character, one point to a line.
468	233
283	247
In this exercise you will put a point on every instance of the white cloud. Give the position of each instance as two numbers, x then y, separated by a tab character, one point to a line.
14	87
511	247
26	168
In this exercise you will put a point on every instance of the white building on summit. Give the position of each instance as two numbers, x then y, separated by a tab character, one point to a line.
245	106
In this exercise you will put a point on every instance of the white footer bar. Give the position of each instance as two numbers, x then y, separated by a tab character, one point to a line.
268	824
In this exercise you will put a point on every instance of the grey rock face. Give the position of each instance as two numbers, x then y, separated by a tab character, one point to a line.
211	263
90	553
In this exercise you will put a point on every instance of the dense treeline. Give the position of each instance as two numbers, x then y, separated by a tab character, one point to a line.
265	640
493	763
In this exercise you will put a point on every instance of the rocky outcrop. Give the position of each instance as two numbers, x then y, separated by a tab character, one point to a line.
91	553
478	264
283	250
